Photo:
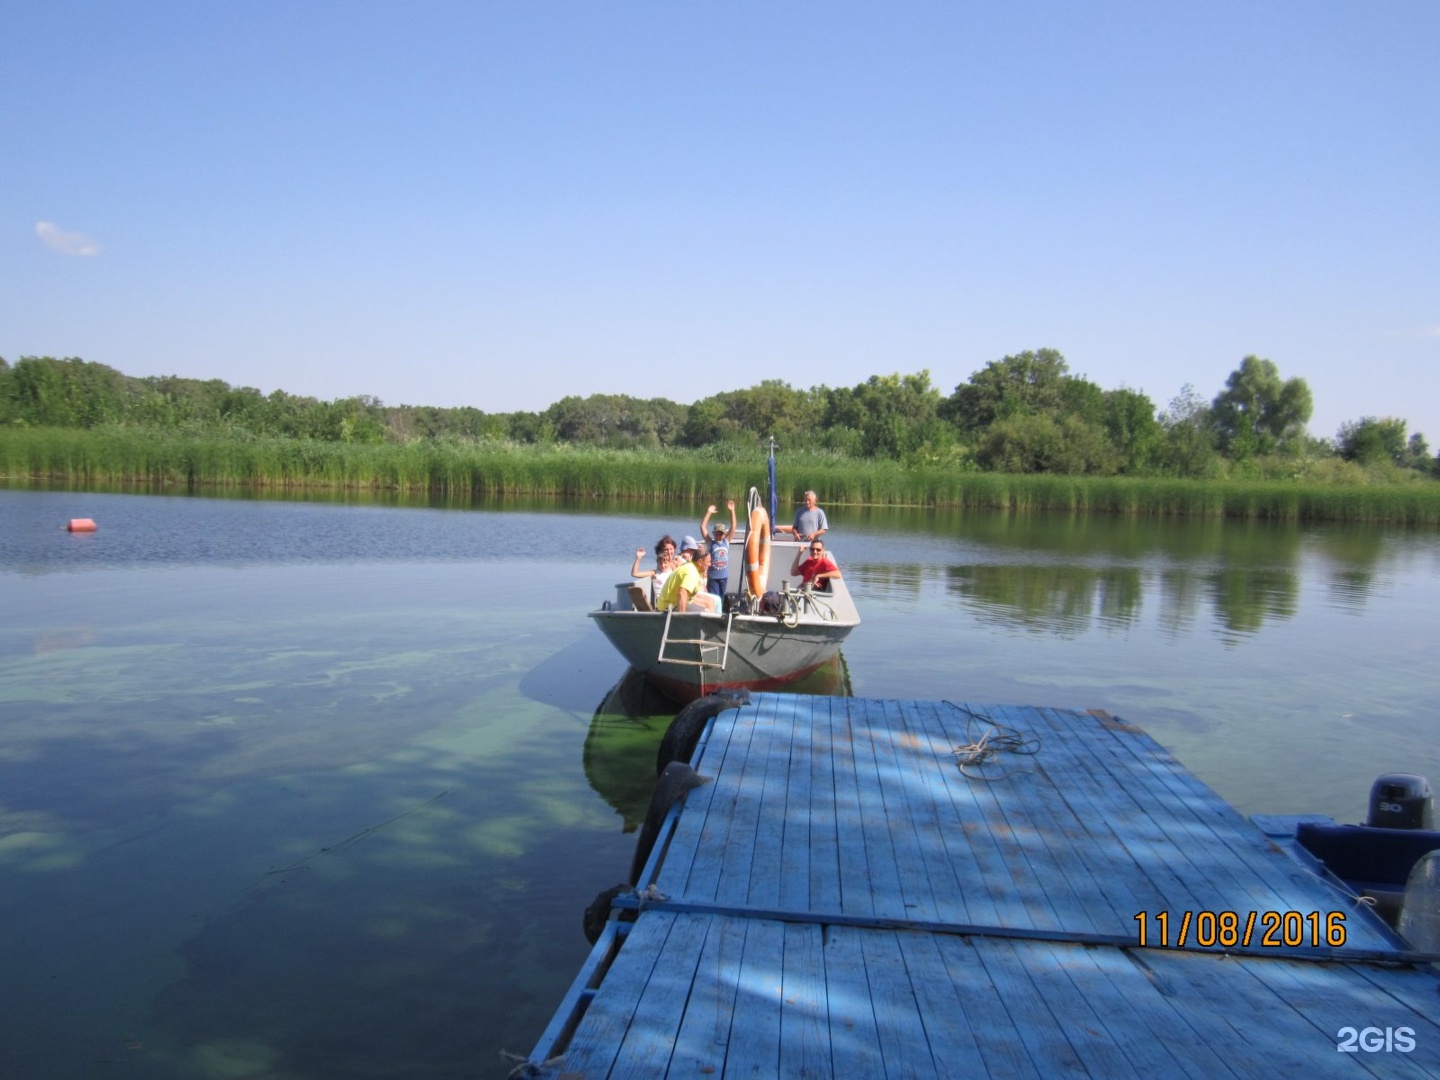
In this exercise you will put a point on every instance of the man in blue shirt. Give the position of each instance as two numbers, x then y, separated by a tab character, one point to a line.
810	522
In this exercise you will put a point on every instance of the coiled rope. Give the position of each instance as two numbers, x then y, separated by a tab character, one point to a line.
994	740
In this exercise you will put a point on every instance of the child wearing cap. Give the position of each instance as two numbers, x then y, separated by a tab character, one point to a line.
719	546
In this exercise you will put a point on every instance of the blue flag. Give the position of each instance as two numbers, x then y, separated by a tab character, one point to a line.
772	492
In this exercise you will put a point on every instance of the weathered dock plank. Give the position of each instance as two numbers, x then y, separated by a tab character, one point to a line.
805	1014
704	1033
754	1048
841	899
953	1034
824	815
649	1040
1156	1039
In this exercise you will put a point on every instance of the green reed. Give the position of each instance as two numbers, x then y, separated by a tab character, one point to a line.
167	458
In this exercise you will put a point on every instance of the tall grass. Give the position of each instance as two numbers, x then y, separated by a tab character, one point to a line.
151	459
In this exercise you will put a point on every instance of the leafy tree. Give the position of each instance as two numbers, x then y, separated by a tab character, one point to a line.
894	414
773	407
65	393
616	420
8	413
1368	441
1417	453
529	427
706	422
1085	429
1257	412
1129	422
1029	382
1042	443
589	420
1187	447
1079	397
353	420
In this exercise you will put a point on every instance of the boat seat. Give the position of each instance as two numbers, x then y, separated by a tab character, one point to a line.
639	599
1372	857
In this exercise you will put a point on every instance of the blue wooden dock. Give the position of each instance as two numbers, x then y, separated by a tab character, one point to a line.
842	899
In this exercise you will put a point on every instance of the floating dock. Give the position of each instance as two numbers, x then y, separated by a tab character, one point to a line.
844	899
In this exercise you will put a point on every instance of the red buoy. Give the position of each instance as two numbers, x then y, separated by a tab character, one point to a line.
82	525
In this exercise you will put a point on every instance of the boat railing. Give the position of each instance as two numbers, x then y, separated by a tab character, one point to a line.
801	602
704	647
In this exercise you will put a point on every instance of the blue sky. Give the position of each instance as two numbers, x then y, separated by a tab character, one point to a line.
501	203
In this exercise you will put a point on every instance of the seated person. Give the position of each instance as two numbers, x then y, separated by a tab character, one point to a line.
817	568
685	587
810	521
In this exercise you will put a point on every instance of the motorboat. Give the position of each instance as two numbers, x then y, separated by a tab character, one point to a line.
1391	861
771	633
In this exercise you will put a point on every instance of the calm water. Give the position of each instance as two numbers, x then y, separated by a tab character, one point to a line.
304	791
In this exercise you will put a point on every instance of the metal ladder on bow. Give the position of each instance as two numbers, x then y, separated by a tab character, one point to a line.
701	646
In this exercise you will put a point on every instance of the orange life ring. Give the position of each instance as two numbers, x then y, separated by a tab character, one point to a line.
757	551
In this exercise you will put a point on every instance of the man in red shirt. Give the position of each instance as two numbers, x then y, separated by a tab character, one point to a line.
817	569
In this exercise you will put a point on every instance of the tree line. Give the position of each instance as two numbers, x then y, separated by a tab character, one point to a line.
1025	413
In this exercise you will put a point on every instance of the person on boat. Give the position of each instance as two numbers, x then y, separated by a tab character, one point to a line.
685	587
665	562
815	567
810	521
688	547
719	546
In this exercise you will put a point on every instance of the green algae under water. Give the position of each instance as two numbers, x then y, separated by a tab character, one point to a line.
298	791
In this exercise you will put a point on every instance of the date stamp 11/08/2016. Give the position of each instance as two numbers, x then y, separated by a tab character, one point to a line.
1269	929
1238	929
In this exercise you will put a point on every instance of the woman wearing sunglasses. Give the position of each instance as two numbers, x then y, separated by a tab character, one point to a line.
814	566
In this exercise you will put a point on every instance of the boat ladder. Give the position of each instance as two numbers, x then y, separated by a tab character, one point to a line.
704	648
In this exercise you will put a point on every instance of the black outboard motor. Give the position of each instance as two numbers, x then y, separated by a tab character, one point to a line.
1401	801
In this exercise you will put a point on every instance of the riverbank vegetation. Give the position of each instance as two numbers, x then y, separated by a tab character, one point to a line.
1022	434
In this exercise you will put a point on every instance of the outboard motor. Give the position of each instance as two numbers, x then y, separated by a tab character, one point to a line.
1401	801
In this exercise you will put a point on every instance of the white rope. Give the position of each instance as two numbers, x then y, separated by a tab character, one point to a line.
993	741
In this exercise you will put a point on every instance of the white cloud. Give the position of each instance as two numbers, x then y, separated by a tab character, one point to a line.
65	242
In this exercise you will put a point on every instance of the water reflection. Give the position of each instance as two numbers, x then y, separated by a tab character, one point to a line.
1181	594
1063	575
630	721
1243	598
1353	558
1062	600
894	581
1070	600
